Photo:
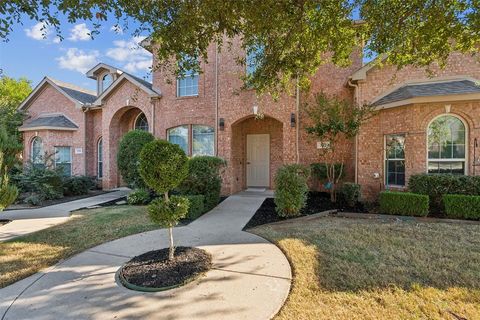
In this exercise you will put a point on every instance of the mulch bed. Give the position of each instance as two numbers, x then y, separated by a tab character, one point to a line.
316	202
4	222
153	269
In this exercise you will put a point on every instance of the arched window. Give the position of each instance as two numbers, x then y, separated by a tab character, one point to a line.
107	80
37	151
100	158
179	135
141	122
446	145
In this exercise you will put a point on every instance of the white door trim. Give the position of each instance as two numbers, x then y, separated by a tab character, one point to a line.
258	160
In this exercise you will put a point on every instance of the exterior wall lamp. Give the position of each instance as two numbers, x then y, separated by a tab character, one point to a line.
221	124
293	120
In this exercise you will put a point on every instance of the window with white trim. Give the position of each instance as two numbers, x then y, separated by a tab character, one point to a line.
187	84
63	160
446	145
252	59
395	160
100	158
179	136
37	153
141	122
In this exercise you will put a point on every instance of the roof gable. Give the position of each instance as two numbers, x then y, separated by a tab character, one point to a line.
50	122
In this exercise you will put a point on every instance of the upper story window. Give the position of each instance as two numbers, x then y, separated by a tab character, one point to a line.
36	155
63	159
395	159
141	122
201	138
446	145
107	80
252	59
187	84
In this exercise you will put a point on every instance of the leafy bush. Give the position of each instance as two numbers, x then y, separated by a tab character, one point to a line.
43	180
33	200
163	166
319	170
462	206
204	179
129	150
138	197
350	193
404	203
167	213
291	189
197	206
437	185
77	185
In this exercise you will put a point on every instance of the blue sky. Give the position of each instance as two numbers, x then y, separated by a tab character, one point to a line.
29	54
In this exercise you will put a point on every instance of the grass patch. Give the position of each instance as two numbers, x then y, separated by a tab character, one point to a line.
24	256
365	269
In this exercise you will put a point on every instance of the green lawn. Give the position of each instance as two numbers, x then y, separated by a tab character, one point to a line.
27	255
369	269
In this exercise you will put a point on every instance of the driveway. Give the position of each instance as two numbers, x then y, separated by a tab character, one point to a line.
250	278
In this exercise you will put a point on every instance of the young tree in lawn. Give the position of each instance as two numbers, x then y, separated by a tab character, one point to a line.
163	166
297	36
8	193
333	122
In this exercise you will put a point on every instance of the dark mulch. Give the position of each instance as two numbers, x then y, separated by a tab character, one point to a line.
4	222
153	269
316	202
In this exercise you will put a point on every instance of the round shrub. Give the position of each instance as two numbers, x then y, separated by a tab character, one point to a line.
167	213
291	189
196	206
163	165
77	185
350	193
204	179
138	197
129	150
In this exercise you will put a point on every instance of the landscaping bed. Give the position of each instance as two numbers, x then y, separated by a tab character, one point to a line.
316	202
4	222
152	271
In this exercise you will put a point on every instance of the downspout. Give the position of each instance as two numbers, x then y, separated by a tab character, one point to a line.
297	123
355	99
216	99
85	109
152	102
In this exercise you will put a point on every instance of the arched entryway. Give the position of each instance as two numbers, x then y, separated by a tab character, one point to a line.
124	120
257	152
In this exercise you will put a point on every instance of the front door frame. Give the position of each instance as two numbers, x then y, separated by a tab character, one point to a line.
268	149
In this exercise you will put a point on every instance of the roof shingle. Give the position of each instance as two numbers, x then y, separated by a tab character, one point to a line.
54	121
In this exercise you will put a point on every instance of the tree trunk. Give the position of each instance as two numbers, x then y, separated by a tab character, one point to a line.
171	249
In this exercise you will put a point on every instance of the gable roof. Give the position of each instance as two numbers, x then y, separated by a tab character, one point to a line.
429	89
51	122
361	74
96	70
142	84
77	95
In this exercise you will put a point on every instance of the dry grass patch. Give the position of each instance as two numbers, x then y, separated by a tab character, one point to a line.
364	269
24	256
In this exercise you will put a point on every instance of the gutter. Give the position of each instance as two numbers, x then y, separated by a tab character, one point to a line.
355	100
216	99
297	127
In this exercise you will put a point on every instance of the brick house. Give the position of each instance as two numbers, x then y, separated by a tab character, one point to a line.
207	113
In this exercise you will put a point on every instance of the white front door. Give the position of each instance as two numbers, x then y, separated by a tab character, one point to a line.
258	160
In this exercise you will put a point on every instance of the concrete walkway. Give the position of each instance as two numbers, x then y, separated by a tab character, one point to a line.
250	278
30	220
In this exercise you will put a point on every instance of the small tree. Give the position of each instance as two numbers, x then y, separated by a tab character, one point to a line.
334	122
163	166
128	156
8	193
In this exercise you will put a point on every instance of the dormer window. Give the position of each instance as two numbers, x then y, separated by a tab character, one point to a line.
107	80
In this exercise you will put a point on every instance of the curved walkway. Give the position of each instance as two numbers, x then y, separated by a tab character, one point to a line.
250	278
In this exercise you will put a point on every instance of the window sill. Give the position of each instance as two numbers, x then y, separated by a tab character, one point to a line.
395	187
187	97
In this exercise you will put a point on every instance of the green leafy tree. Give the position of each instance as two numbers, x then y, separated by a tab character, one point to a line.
8	192
333	121
128	156
296	36
163	166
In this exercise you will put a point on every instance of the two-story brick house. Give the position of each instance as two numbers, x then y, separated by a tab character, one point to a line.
207	113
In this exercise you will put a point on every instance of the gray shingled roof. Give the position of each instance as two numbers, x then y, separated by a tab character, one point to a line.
430	89
142	81
56	121
81	96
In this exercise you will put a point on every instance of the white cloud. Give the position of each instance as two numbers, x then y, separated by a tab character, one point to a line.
134	57
117	29
78	60
40	31
80	32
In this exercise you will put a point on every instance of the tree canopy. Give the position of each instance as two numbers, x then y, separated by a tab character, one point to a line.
297	36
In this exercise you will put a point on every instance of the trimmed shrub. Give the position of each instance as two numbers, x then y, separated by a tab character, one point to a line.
167	213
33	200
77	185
404	203
462	206
204	179
350	193
197	206
139	197
129	150
291	189
437	185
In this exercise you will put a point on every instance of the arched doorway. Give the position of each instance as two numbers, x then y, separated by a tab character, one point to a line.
257	152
